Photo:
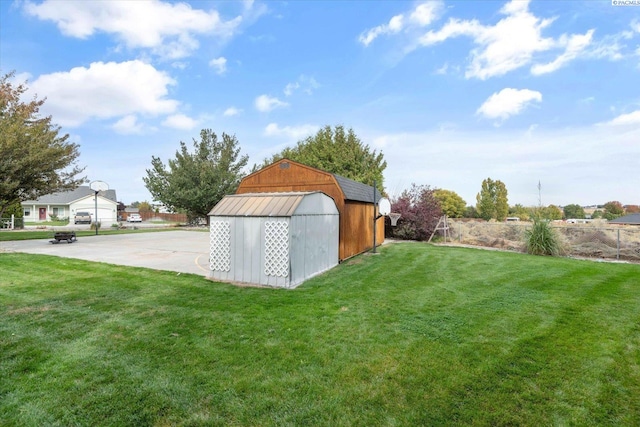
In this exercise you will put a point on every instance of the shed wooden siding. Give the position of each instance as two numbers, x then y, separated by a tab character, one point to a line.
356	217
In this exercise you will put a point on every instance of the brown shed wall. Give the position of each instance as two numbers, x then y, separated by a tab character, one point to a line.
356	218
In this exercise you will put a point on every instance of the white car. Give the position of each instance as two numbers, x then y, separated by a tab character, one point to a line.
134	217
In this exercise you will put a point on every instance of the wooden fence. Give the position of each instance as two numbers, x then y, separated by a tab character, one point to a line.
152	216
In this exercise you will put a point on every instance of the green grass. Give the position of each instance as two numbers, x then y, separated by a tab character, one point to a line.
51	223
418	335
6	236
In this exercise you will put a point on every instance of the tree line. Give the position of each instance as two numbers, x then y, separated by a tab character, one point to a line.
36	160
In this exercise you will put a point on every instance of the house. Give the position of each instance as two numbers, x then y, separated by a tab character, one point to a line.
631	219
66	204
273	239
354	200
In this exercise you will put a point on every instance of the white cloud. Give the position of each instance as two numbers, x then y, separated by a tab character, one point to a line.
443	70
503	47
266	103
168	29
304	83
231	111
180	121
394	26
575	45
292	132
421	16
290	88
105	90
508	102
219	64
128	125
180	65
632	118
611	47
20	78
425	13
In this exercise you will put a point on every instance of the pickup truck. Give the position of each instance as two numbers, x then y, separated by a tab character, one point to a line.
82	218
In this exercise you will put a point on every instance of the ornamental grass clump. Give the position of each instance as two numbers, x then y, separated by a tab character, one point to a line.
541	239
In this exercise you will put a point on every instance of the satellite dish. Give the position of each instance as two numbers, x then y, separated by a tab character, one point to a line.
384	206
99	186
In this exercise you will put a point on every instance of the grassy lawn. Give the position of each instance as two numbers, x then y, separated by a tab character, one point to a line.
418	335
52	223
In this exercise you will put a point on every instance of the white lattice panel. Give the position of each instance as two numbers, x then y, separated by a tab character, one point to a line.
276	248
220	255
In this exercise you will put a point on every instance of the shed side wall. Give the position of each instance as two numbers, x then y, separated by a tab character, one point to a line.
356	226
314	245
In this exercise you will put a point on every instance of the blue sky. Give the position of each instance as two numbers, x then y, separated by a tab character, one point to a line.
452	92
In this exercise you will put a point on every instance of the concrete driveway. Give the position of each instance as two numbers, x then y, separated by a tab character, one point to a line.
180	251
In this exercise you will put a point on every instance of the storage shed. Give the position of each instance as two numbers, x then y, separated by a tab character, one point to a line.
273	239
354	200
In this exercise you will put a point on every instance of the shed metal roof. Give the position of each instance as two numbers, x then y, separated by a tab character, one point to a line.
259	204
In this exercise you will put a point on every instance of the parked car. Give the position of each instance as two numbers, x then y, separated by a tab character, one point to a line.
134	217
82	218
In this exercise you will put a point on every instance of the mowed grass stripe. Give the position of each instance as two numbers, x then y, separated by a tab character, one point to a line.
418	335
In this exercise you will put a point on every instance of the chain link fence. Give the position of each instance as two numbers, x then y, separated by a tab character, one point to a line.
593	240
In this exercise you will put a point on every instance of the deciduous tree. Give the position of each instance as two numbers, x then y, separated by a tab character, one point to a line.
420	212
197	181
613	210
451	203
520	211
492	201
551	213
35	159
338	151
144	206
574	211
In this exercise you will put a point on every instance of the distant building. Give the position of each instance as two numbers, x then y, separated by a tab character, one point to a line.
67	203
631	219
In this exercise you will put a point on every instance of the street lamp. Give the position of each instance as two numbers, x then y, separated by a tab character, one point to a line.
98	186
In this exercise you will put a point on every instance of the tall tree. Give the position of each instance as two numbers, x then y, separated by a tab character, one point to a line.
613	210
551	213
574	211
451	203
520	211
338	151
492	201
34	158
197	181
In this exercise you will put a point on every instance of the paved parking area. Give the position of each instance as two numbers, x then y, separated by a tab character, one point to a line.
180	251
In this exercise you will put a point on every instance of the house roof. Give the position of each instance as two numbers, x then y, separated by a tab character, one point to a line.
633	219
67	197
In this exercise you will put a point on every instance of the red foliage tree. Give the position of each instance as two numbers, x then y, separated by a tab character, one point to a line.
420	212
